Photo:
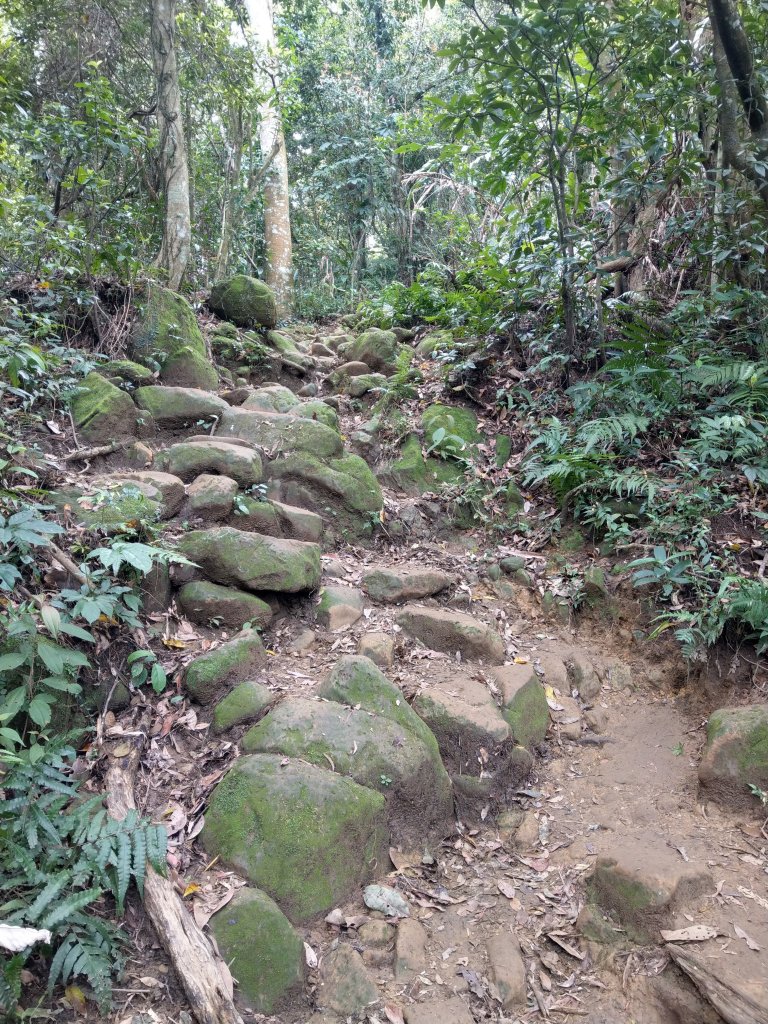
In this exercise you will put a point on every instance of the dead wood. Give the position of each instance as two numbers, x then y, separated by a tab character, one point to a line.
203	976
733	1006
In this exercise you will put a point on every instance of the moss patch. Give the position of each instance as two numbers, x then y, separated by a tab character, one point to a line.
243	704
244	301
102	411
228	663
527	714
309	838
168	334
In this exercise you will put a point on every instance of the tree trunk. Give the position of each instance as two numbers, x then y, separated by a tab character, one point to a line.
277	216
231	182
175	248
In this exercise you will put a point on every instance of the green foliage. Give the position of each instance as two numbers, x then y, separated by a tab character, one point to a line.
61	856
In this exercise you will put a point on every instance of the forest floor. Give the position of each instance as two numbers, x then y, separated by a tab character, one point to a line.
615	781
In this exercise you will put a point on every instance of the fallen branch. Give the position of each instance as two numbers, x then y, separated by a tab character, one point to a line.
67	562
205	979
735	1007
82	454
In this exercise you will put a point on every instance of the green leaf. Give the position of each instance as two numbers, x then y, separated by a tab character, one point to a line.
52	656
8	662
39	710
51	618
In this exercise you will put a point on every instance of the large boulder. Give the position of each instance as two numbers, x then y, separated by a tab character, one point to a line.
102	412
262	949
169	335
190	459
455	421
229	663
379	350
391	586
244	301
452	632
164	488
246	702
306	836
133	374
250	561
281	432
205	602
736	755
271	398
343	490
371	749
179	407
415	474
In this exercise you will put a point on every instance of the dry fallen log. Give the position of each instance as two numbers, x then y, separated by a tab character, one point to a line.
733	1006
83	454
205	979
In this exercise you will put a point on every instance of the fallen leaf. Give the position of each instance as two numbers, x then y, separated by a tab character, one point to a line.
192	888
696	933
393	1014
310	956
76	999
741	934
569	949
173	643
506	888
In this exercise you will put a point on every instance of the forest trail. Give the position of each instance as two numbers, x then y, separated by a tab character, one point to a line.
572	764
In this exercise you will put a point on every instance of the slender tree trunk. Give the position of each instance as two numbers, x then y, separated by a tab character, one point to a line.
175	248
231	181
277	216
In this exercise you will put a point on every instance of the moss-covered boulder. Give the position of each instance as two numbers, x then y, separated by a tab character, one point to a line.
306	836
356	681
180	406
343	490
415	474
128	371
271	398
379	350
250	561
244	301
229	663
451	631
102	412
164	488
262	949
356	387
736	755
298	523
524	702
190	459
371	749
457	423
210	497
339	607
168	334
251	514
317	410
281	432
107	508
205	602
247	701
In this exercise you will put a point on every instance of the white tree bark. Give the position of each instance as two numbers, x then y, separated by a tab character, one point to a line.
277	215
177	232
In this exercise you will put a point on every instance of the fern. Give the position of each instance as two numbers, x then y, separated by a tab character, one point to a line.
610	430
61	857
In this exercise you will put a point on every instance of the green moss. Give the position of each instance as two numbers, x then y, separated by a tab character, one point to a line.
528	714
202	602
282	432
273	398
189	460
503	449
454	420
176	406
243	704
263	951
284	345
749	729
127	370
377	349
253	562
168	333
108	510
309	838
102	411
244	301
317	410
227	663
413	473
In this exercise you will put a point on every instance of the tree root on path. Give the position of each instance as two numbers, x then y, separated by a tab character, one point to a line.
205	978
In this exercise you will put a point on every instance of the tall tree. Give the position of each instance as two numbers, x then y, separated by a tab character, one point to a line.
177	233
277	213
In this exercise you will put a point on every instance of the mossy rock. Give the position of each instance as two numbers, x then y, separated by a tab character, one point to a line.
736	756
169	335
246	702
356	681
377	349
343	490
128	371
190	459
371	749
249	561
282	343
102	412
244	301
356	387
317	410
203	602
257	516
229	663
178	407
414	474
307	837
514	498
503	450
271	398
281	432
526	711
109	509
454	420
261	948
437	341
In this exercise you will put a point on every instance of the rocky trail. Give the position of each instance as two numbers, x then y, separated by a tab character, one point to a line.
398	787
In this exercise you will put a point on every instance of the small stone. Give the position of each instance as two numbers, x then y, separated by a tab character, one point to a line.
569	719
339	607
620	677
379	647
583	677
410	950
298	523
597	720
554	672
494	571
735	755
512	563
137	456
243	704
308	391
345	986
439	1011
386	900
211	497
228	663
527	834
376	934
506	969
303	640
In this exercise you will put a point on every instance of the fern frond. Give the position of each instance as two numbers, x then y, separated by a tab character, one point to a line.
609	430
46	897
